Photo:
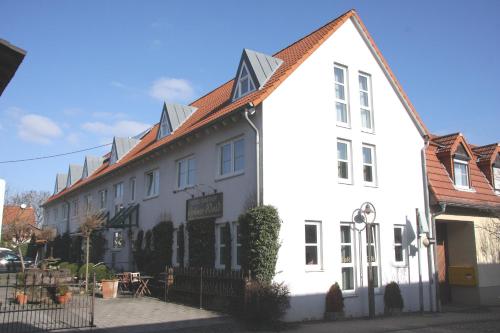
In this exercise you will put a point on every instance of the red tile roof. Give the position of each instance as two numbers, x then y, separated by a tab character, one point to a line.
217	104
440	181
11	213
488	152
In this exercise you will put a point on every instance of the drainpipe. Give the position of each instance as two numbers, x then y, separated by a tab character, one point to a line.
251	111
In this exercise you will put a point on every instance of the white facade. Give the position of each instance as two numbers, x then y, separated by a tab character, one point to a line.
299	134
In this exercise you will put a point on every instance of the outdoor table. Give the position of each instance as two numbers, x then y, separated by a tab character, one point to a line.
143	288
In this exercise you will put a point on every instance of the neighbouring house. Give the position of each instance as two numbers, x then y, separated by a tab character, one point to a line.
10	58
12	213
464	184
335	130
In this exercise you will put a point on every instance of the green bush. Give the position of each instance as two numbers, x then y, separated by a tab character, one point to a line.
97	246
260	227
392	297
201	243
180	240
334	299
101	272
72	267
266	303
161	252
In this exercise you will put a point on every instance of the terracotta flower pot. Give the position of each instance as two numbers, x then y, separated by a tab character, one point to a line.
69	295
22	299
109	288
61	299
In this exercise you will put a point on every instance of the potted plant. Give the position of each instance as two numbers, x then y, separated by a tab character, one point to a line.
21	297
334	303
393	301
109	285
61	294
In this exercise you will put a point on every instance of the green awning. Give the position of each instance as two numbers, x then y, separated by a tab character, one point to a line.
125	218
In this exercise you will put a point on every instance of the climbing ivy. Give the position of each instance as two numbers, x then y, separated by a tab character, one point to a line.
201	242
260	227
161	252
180	241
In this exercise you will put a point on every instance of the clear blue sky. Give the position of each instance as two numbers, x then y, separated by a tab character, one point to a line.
98	68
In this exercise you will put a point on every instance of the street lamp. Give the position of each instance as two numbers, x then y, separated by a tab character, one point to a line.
365	216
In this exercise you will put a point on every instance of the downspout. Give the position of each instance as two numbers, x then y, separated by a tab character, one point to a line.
251	110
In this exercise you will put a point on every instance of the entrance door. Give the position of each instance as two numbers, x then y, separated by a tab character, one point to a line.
442	261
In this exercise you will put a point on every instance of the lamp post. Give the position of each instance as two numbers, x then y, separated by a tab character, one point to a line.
365	216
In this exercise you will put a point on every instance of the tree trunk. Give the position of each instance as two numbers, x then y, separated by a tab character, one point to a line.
87	265
21	257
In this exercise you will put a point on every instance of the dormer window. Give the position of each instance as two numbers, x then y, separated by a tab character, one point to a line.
461	172
165	128
245	83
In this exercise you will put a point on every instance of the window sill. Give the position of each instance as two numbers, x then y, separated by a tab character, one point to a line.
344	125
370	185
314	270
367	131
399	264
151	197
230	175
181	189
349	294
465	189
345	182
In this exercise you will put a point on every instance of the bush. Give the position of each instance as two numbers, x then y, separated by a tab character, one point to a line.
161	256
73	268
392	297
201	243
260	228
266	303
334	299
101	272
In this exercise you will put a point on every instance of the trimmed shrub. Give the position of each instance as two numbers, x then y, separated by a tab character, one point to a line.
392	297
334	299
180	240
201	242
266	303
260	228
101	272
72	267
161	253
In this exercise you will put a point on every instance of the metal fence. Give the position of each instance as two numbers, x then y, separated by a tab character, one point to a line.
43	301
205	287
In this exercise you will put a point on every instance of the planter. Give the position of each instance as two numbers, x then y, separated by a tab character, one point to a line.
109	289
22	299
69	294
62	299
334	315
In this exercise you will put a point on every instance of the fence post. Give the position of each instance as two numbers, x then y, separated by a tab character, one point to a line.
92	301
201	287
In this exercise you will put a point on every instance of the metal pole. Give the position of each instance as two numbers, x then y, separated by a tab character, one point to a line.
87	265
420	286
371	291
201	287
92	302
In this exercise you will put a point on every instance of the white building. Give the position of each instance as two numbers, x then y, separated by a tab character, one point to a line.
335	129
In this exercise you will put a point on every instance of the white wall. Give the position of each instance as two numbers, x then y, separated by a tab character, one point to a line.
300	173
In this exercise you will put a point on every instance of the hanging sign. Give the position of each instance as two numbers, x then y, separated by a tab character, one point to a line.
209	206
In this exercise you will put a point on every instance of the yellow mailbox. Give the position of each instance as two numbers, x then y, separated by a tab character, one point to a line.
462	276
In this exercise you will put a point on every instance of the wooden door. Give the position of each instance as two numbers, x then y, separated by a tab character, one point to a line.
442	262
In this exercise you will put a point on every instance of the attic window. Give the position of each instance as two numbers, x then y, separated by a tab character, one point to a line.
461	173
245	83
164	127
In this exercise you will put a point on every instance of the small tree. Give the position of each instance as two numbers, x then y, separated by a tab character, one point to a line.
90	223
17	233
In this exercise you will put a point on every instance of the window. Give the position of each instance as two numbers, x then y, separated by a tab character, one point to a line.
65	211
340	74
103	198
372	253
344	161
232	157
132	189
88	203
369	164
117	240
222	233
313	244
365	102
186	172
75	207
347	257
164	125
245	83
118	190
236	255
496	180
152	183
399	252
461	170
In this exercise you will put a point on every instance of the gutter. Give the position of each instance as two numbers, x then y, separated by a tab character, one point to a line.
251	110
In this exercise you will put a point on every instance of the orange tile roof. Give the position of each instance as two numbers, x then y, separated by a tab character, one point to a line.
487	152
441	184
12	212
217	104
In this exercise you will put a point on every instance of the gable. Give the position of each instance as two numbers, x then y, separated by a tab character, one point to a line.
91	164
172	117
461	153
121	146
74	174
61	182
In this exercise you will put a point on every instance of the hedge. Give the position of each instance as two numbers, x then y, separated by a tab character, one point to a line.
201	235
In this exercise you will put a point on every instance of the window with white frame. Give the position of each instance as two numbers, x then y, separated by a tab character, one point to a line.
186	172
341	98
117	240
461	171
372	250
232	157
132	188
344	161
118	190
75	207
236	250
365	101
88	203
496	178
313	244
221	238
245	83
347	251
369	170
152	183
103	198
399	248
